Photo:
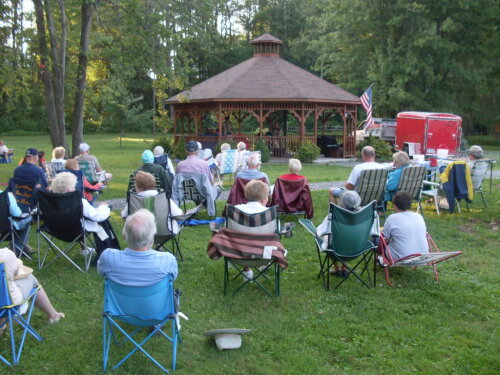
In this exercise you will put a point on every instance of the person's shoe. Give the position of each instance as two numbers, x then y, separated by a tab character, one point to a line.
248	275
87	251
28	250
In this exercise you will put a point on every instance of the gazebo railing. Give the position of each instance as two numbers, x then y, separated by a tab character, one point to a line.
279	146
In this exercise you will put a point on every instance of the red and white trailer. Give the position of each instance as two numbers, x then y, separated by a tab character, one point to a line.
426	132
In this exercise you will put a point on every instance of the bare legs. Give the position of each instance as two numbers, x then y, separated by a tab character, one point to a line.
43	303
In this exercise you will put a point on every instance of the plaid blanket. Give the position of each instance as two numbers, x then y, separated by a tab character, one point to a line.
240	245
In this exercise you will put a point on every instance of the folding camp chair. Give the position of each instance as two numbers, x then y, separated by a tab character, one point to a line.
25	194
131	183
253	232
227	166
7	230
293	198
62	220
151	307
371	187
52	168
90	173
159	205
411	181
194	187
429	258
477	175
12	314
351	237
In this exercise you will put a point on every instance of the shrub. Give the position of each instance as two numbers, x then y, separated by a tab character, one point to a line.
383	150
261	146
179	149
308	152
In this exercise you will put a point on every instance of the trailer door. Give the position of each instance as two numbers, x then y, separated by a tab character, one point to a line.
442	133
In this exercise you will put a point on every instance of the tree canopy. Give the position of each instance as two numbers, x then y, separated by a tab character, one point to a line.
420	55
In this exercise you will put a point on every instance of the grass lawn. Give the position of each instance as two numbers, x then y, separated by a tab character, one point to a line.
416	327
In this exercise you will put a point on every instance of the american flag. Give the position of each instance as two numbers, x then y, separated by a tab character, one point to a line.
366	102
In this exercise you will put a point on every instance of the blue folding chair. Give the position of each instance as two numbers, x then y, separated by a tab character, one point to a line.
10	312
152	306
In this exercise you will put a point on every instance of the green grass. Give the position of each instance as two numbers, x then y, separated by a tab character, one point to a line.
416	327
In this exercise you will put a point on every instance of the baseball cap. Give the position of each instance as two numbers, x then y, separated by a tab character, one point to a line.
477	151
31	152
192	146
148	157
84	147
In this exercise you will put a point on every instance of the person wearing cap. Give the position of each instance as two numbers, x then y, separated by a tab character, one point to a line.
193	164
86	157
162	159
29	170
165	178
350	200
475	154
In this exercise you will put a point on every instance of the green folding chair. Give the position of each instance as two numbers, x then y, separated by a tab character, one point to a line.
350	241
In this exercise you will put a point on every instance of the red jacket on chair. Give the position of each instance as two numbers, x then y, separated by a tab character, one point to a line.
293	196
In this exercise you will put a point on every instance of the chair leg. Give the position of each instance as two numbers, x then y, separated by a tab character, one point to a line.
436	275
482	197
387	278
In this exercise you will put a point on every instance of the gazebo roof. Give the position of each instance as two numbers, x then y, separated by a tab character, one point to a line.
265	77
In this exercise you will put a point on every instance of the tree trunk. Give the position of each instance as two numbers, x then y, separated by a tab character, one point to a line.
81	78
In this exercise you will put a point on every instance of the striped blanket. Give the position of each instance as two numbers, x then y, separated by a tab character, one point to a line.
239	245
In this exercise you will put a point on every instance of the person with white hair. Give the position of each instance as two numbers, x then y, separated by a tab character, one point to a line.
223	147
252	172
351	201
58	155
95	218
294	166
241	146
138	265
5	153
162	159
368	156
86	157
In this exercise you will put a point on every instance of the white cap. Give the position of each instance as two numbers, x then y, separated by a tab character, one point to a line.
84	147
158	151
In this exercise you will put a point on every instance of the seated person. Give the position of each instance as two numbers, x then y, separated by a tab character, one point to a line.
5	153
138	265
85	156
149	167
145	187
252	172
58	155
162	159
88	188
351	201
257	195
207	155
405	231
223	147
95	218
28	169
294	166
21	226
475	154
241	156
20	287
400	161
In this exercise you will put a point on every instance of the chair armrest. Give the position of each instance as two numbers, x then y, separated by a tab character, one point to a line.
435	184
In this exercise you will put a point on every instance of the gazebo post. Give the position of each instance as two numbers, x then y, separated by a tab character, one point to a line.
220	122
175	122
261	120
302	123
344	137
316	114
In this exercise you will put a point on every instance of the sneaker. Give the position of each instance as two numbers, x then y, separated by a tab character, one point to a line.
248	275
380	260
87	251
28	250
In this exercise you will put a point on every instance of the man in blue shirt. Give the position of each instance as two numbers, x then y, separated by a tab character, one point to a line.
30	171
252	173
138	265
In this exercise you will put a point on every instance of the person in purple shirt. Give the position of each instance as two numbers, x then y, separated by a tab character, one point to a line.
138	265
193	164
28	170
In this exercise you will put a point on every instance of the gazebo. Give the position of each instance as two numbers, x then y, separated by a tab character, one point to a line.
266	87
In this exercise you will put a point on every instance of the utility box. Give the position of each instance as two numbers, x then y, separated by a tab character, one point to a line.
429	132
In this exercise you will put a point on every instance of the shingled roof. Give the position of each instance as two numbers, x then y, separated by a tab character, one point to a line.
266	77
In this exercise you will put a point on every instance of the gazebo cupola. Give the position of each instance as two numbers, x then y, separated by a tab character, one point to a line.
266	45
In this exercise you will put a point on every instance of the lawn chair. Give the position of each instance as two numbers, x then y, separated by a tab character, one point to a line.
250	241
430	258
194	187
411	181
293	198
371	187
237	193
7	230
90	173
131	183
62	220
159	205
351	237
52	168
477	175
152	307
227	166
12	314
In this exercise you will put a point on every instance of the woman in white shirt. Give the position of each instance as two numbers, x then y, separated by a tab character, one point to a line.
20	285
